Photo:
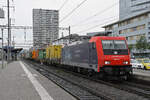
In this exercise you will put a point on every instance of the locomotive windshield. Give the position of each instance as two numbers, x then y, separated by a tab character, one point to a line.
114	44
114	47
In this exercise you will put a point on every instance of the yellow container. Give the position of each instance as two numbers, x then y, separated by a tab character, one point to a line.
47	52
59	52
51	52
55	52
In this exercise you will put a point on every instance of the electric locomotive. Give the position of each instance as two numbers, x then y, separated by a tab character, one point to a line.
102	55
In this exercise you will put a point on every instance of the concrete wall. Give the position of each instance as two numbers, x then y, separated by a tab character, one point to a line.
124	8
129	8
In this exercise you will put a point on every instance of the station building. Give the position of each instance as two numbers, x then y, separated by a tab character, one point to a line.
132	28
134	22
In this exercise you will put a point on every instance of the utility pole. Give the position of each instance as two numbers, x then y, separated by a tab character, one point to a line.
69	34
13	42
8	49
2	49
62	34
25	34
10	39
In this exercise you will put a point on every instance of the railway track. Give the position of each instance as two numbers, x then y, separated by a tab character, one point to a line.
98	91
133	88
77	90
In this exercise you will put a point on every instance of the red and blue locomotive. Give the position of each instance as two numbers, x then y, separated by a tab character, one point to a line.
102	55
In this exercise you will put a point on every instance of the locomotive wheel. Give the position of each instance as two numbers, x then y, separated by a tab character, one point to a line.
90	73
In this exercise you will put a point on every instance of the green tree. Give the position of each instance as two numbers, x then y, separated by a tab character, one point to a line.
131	46
142	43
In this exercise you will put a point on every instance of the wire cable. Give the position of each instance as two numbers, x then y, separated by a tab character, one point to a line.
95	21
94	26
98	13
73	10
63	5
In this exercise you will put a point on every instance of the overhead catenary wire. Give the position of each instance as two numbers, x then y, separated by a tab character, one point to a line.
73	11
95	21
98	25
61	7
96	14
3	1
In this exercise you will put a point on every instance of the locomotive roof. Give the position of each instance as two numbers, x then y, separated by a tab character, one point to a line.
106	38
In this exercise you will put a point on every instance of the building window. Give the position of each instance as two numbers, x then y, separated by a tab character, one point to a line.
120	32
136	37
140	27
132	20
131	38
133	0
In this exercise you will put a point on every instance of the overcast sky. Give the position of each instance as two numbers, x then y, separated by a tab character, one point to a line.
107	9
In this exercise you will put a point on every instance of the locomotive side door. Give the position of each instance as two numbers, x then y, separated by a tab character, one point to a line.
93	55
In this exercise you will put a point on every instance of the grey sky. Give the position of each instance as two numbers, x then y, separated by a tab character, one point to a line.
23	14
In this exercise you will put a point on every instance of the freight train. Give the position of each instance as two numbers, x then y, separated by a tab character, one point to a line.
101	55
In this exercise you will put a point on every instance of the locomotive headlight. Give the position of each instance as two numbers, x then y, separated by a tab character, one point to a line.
125	62
107	62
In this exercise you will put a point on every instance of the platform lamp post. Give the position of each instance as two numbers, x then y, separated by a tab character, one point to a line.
2	49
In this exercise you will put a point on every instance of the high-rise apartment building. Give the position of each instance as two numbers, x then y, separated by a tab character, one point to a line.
129	8
45	27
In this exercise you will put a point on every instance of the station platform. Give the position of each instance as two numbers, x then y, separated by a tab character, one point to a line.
20	82
4	64
142	74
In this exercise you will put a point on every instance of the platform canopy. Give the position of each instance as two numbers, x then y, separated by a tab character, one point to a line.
13	50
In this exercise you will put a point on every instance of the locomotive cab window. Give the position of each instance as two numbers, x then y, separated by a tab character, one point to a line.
107	44
114	44
120	44
114	47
